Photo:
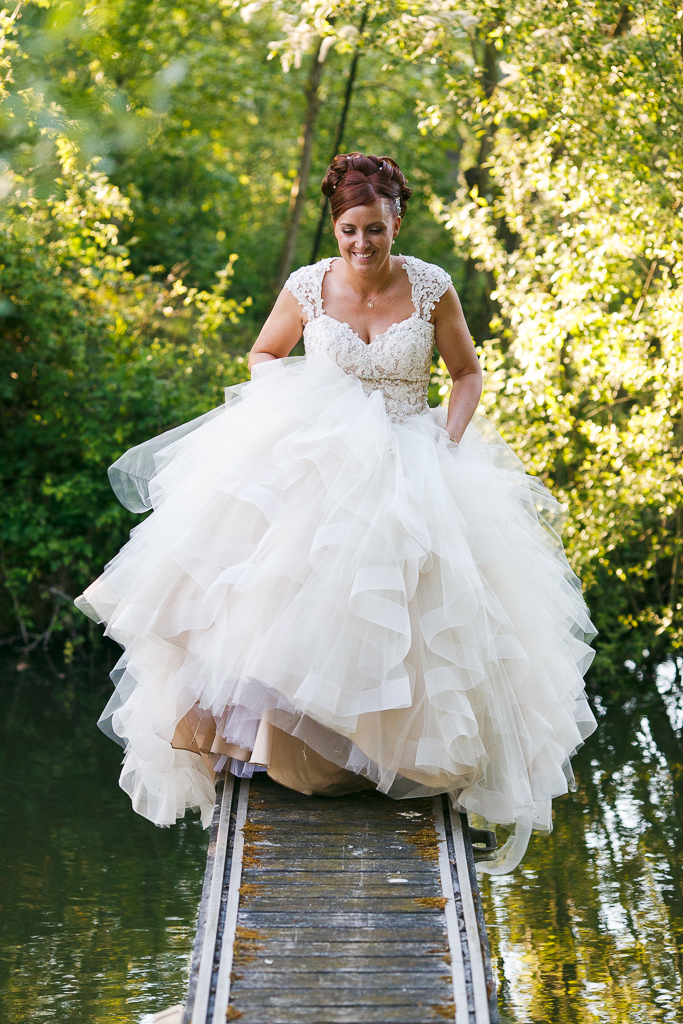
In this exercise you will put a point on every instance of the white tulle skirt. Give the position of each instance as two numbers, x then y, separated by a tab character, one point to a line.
339	598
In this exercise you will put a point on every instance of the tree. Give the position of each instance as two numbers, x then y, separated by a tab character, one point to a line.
93	359
300	184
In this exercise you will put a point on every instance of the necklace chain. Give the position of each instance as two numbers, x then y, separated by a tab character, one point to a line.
371	302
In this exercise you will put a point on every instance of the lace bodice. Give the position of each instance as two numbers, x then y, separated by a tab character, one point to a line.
397	362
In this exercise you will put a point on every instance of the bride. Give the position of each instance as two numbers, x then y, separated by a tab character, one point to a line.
339	585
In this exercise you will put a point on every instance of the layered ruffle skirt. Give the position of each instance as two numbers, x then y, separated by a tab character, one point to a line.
344	601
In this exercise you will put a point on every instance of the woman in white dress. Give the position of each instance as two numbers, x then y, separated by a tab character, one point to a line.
338	584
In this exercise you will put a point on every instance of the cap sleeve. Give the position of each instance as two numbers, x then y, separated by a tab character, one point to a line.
428	282
306	285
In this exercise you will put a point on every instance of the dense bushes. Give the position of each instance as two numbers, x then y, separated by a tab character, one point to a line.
93	360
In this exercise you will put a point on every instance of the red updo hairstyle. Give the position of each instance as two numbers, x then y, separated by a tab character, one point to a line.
354	179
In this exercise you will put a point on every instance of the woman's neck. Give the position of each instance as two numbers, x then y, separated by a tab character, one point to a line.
369	284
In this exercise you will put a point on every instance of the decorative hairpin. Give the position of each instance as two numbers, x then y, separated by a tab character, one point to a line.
397	204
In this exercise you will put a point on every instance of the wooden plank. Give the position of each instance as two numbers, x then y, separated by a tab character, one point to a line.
363	907
292	810
480	1000
284	941
346	984
390	933
328	892
286	996
353	889
281	943
458	976
485	953
351	910
300	962
388	864
409	1014
202	968
347	832
232	899
270	856
360	924
387	869
201	921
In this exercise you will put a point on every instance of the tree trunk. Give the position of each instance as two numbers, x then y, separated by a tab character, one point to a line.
339	135
301	183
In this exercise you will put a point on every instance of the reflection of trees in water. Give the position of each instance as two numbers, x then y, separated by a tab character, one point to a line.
591	927
658	788
99	908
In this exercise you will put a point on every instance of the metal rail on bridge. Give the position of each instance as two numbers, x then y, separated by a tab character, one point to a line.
352	910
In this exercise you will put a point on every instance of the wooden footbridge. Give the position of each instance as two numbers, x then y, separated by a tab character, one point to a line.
351	910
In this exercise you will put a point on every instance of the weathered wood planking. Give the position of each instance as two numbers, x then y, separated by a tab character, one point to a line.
354	910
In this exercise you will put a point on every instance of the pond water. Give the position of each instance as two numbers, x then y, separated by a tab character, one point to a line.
97	906
590	928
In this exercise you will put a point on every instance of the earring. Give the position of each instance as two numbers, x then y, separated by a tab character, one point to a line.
393	240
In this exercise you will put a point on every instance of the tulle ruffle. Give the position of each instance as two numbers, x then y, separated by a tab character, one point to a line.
402	607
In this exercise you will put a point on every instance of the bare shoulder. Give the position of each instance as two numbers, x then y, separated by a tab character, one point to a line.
448	305
281	330
288	304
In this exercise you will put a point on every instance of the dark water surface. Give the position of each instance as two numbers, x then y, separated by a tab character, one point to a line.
590	928
97	906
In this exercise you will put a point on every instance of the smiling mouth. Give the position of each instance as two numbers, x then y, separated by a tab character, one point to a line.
363	255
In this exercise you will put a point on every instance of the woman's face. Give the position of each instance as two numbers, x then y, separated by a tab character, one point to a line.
365	233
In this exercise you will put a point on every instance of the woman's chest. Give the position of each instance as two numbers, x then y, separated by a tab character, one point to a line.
402	352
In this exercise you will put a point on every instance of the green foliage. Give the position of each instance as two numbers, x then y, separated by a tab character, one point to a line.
93	360
543	141
572	209
201	131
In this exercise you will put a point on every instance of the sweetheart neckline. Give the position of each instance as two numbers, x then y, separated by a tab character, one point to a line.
369	344
330	260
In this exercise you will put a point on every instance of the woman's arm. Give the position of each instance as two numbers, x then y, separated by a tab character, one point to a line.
454	342
280	332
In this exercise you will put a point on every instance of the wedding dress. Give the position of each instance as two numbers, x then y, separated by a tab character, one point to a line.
330	590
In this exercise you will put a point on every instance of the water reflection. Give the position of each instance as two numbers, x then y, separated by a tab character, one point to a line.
98	905
591	928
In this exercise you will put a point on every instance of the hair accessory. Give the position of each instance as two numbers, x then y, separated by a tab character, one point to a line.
397	204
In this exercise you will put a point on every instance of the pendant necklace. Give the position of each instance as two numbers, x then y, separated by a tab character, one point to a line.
371	302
